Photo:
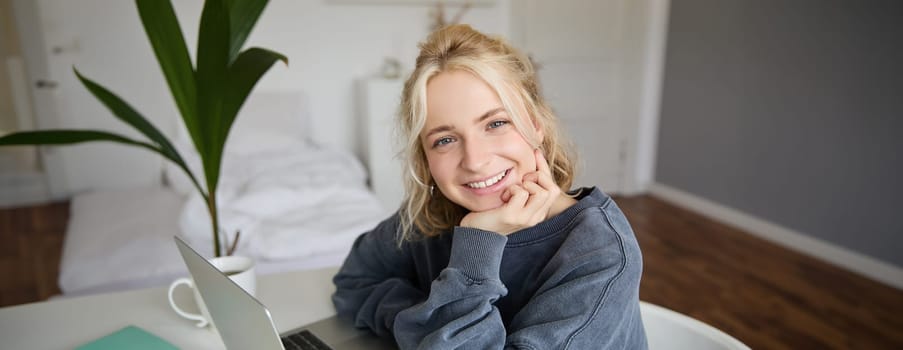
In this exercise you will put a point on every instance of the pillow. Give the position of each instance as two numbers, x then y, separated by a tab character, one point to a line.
268	121
254	141
120	239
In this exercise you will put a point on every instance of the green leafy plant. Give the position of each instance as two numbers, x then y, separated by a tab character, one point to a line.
208	95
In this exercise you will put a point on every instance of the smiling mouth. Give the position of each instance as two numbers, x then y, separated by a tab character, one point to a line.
490	181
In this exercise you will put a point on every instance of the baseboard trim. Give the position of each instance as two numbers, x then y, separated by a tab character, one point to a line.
859	263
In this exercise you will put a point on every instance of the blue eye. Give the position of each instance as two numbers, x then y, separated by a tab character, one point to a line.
497	124
442	141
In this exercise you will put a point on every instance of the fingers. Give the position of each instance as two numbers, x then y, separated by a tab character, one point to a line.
520	210
525	204
519	196
543	174
537	207
542	189
530	177
542	165
506	196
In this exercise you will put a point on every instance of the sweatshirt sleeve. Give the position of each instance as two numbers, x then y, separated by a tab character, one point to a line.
460	310
590	299
374	283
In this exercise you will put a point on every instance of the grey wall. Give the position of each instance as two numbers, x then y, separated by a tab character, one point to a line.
791	111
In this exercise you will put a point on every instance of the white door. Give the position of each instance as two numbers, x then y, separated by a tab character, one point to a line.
21	180
583	49
40	107
104	40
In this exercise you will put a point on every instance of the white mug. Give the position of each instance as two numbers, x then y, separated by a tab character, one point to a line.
240	269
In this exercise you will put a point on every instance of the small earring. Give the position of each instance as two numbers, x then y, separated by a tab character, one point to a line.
431	190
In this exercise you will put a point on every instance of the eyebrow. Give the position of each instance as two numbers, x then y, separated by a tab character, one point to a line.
443	128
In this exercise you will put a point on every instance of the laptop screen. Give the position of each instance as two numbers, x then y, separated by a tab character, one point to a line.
242	321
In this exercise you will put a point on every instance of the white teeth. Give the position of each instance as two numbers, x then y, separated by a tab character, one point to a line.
488	182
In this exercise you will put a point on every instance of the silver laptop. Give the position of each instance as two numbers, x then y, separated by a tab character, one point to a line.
244	323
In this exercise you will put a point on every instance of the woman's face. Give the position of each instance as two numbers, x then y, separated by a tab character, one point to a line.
473	149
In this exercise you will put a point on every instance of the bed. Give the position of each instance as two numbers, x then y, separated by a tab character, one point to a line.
298	205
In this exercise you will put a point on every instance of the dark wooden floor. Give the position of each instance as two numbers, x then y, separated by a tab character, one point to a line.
31	242
765	295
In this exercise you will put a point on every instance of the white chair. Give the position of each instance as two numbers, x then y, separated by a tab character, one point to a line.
670	330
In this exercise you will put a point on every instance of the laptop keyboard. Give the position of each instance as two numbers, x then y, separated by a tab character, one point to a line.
304	340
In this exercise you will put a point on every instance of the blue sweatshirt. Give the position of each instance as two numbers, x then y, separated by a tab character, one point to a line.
570	282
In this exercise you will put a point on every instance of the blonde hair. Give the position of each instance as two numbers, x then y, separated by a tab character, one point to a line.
512	76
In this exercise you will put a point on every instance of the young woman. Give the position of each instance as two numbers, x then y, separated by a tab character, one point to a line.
489	249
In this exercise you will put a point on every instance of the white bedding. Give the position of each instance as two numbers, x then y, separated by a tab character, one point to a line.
295	202
298	206
120	240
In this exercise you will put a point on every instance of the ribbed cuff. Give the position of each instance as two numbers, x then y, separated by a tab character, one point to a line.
477	253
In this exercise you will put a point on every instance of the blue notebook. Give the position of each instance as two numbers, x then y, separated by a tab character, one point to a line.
130	337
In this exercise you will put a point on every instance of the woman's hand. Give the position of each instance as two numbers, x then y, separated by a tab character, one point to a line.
526	204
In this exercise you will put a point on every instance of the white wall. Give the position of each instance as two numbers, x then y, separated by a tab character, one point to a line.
330	45
600	66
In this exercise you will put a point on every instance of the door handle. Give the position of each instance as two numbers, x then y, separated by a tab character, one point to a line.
45	84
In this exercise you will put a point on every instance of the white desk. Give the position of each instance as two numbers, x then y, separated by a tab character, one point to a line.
293	298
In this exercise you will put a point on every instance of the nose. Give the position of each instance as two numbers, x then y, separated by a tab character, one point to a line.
476	155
